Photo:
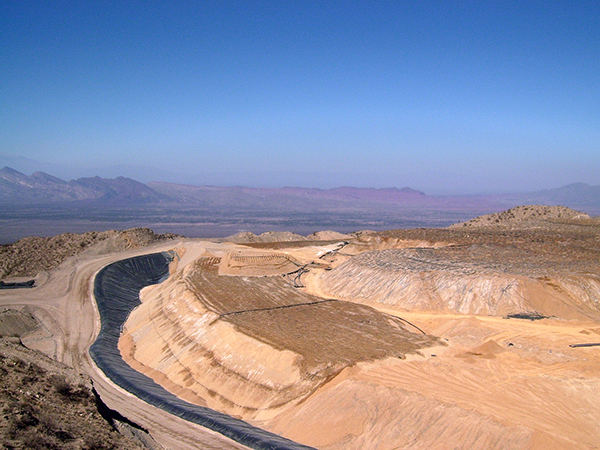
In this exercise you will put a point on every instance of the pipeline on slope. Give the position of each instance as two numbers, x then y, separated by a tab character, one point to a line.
116	289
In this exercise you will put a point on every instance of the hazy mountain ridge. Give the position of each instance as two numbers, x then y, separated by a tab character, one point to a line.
575	194
287	198
122	191
43	188
16	187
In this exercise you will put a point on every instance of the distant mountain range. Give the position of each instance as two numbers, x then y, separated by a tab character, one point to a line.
41	188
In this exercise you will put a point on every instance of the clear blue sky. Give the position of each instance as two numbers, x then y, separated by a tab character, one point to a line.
442	96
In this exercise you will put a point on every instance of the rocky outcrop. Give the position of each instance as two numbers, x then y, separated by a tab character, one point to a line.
521	214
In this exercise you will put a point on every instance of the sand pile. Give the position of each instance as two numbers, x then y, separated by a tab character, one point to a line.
328	235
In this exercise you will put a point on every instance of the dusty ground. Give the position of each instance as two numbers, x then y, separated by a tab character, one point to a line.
499	384
62	302
494	383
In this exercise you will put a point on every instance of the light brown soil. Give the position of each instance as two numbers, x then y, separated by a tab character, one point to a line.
63	304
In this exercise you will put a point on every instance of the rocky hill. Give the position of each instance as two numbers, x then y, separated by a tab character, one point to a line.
269	236
28	256
520	214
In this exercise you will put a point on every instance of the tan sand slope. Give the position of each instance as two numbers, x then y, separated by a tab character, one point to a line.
251	346
499	384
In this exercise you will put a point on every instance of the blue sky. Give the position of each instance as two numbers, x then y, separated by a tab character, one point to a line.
441	96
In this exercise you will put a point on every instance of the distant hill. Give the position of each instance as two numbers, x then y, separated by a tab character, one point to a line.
288	198
576	195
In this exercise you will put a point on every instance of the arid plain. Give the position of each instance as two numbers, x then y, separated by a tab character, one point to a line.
462	337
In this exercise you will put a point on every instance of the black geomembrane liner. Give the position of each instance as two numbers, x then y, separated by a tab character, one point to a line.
116	288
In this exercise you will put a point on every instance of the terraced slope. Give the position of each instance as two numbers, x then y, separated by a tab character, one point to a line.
250	346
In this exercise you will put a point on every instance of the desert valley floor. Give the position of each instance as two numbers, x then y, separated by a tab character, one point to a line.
464	337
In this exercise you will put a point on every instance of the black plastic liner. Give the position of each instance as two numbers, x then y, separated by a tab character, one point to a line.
17	285
116	288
